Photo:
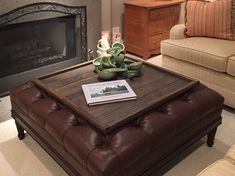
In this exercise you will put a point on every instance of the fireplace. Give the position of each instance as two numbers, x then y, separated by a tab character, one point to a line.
38	38
36	44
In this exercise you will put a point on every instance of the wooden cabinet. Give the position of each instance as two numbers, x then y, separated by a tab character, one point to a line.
147	23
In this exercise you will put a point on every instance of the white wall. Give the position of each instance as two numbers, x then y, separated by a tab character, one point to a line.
117	12
112	17
182	13
106	14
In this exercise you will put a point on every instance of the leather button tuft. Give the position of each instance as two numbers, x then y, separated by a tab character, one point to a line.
80	141
59	122
129	141
155	124
186	99
163	109
129	149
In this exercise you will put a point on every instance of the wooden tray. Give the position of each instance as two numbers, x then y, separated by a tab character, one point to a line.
153	88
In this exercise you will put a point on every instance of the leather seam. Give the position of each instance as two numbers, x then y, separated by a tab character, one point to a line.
87	157
120	162
149	138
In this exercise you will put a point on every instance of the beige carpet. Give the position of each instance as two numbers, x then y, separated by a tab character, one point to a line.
27	158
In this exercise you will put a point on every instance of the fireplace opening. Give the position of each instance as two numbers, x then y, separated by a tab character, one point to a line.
35	44
39	38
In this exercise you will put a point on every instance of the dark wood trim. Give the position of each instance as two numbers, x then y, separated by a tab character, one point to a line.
211	137
165	70
20	131
89	62
108	127
63	70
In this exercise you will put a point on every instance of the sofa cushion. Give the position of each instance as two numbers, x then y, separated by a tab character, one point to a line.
219	168
221	82
210	19
230	155
231	66
207	52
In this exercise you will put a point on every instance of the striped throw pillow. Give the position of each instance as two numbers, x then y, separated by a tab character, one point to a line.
211	18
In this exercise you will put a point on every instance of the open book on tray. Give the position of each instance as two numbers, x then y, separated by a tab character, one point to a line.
108	92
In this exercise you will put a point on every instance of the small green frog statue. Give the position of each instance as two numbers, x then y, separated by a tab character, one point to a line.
115	64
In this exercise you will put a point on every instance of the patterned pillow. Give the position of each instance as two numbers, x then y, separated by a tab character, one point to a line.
211	18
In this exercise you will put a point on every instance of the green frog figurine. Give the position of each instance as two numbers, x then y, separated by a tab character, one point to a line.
115	64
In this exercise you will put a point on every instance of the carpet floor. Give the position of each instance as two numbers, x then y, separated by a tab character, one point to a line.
27	158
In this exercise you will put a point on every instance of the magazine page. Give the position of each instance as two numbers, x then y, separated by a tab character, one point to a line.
106	92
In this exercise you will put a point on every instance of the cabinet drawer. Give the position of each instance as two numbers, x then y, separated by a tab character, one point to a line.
157	14
154	42
137	30
135	14
161	26
156	27
135	40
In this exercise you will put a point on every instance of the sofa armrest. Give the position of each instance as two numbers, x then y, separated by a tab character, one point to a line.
230	155
177	32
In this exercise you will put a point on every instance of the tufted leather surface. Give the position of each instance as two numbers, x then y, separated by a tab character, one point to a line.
139	143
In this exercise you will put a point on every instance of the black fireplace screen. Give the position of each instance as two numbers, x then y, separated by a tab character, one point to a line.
29	45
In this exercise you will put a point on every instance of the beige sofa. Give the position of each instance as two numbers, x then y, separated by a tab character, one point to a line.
223	167
212	61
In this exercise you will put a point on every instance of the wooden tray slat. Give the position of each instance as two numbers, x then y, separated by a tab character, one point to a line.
153	88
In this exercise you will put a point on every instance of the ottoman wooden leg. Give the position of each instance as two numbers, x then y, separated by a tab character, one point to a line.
211	137
20	130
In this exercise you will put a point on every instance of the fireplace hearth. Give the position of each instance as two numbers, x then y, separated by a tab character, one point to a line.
37	38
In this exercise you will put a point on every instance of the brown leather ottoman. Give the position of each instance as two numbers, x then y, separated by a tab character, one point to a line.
137	148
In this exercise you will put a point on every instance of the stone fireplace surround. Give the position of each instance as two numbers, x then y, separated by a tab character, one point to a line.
93	12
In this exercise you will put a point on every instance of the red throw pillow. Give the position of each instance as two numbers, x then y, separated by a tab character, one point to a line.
211	19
